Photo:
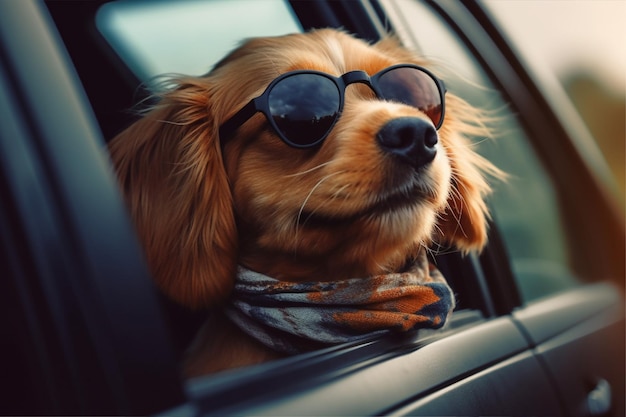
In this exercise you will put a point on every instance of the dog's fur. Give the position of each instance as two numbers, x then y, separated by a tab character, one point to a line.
316	214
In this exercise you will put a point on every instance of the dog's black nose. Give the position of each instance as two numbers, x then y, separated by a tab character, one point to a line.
411	139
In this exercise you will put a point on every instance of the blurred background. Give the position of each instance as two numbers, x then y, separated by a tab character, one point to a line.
582	43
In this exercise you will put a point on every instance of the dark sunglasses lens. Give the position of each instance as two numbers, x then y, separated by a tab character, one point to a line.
304	107
415	88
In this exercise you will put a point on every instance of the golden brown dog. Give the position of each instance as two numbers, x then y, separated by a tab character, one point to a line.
358	203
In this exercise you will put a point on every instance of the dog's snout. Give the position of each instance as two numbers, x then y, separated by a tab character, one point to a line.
411	139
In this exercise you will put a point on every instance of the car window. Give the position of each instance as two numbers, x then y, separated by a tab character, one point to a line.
588	64
524	207
187	36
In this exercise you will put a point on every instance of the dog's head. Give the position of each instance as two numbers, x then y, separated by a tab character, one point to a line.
367	184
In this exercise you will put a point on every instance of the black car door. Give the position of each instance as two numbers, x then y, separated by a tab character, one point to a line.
81	329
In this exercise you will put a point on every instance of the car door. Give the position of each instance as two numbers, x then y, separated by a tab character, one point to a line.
81	328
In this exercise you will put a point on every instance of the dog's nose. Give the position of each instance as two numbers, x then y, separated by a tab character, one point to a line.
411	139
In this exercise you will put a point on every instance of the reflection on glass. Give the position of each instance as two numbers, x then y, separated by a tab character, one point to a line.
304	106
413	87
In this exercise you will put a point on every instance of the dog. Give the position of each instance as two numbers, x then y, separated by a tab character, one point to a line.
313	157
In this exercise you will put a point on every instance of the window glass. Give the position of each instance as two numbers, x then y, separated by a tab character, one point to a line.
524	207
589	63
187	36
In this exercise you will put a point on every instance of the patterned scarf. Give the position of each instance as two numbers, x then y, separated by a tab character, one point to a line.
295	317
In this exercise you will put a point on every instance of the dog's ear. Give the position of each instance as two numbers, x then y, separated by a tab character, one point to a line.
465	219
170	168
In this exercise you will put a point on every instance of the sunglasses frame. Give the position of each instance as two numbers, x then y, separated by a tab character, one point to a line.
261	102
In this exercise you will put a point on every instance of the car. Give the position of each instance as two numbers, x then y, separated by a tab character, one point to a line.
539	326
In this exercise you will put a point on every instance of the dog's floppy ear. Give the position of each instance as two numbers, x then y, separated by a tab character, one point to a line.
169	165
465	219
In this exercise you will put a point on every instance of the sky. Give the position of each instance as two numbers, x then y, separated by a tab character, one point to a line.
566	34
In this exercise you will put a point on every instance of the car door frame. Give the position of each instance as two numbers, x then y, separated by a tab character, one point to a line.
86	335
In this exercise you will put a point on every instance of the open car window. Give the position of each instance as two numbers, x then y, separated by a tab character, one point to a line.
189	37
134	31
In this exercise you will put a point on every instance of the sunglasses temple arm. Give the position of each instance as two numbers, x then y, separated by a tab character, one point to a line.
228	128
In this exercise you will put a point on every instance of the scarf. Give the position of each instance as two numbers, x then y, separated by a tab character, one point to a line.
295	317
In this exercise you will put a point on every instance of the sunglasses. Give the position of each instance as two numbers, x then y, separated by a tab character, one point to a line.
303	106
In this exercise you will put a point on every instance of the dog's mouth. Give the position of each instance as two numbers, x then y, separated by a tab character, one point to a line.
400	199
